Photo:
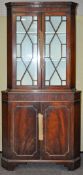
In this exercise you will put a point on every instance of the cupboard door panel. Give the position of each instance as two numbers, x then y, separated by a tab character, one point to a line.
25	130
56	131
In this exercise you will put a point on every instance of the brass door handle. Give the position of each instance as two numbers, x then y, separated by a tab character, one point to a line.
40	126
41	47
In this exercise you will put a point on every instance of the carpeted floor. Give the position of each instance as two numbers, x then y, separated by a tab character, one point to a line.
42	169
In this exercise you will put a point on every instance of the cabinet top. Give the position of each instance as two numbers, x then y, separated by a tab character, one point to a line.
40	4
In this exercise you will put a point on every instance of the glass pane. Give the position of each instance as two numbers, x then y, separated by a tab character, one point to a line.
33	28
20	37
48	68
63	83
63	50
62	38
35	51
20	69
26	21
64	18
33	69
49	28
27	48
55	20
48	38
62	28
55	80
33	38
20	28
47	83
26	79
20	32
26	61
35	18
62	69
18	50
35	82
47	17
55	49
18	82
18	18
47	51
56	62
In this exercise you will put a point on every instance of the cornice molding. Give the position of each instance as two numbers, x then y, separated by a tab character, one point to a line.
4	13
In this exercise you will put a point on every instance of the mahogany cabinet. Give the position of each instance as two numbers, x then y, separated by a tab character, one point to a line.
41	106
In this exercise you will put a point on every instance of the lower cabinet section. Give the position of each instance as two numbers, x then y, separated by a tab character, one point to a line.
43	131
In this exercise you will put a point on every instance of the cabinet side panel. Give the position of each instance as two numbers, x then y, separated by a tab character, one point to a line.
73	48
4	128
77	113
9	48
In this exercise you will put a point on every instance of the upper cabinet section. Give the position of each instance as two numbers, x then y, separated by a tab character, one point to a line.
41	45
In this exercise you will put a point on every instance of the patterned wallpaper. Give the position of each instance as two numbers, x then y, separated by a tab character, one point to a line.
3	8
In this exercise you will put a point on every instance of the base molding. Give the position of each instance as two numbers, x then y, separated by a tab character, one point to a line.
9	164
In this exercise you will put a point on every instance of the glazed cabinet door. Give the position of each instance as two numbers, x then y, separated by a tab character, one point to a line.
26	57
56	131
24	129
55	48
